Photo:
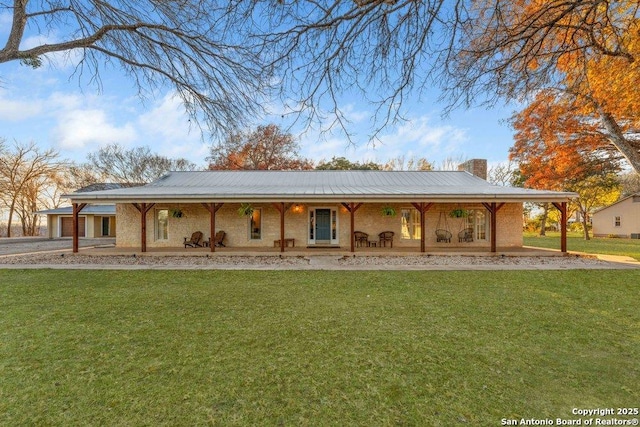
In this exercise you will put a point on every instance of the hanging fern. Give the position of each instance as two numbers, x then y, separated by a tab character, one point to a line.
245	209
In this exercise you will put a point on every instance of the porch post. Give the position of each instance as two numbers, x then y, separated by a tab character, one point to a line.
77	207
352	208
282	208
493	209
143	208
212	208
422	208
562	207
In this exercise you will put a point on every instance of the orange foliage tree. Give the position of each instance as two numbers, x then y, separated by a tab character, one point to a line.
266	148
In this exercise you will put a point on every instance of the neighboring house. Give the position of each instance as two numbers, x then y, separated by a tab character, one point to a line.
621	219
94	221
321	209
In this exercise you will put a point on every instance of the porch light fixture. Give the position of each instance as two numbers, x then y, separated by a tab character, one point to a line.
297	208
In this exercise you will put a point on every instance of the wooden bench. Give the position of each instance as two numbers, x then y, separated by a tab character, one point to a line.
287	243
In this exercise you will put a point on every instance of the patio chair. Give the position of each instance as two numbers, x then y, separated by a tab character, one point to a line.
466	235
361	239
195	241
443	235
219	237
386	236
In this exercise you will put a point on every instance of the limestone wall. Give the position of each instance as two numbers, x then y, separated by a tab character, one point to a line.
367	219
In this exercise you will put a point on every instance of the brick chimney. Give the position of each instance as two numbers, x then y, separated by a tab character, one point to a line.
477	167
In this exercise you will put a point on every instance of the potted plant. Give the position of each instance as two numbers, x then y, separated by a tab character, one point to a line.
459	213
388	211
176	213
245	209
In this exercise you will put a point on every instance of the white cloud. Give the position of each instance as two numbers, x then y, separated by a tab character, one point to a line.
82	128
15	110
169	132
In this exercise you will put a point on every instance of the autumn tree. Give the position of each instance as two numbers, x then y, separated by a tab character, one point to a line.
139	165
557	149
342	163
265	148
594	191
25	172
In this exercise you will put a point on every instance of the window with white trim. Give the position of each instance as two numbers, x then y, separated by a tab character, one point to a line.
477	220
162	224
410	223
255	224
617	221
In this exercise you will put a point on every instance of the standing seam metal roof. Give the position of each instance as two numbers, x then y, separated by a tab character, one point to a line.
320	184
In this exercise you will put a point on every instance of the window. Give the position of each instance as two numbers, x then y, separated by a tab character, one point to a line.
410	223
162	224
255	225
617	221
477	220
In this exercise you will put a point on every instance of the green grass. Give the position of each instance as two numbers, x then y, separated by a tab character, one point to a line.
596	245
315	348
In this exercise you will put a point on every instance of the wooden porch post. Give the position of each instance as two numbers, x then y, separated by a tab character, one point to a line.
352	208
282	208
143	208
422	208
212	208
77	207
562	207
493	209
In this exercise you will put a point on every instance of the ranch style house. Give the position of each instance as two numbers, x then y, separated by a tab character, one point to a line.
244	210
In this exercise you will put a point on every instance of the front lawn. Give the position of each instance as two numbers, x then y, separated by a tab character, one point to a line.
576	242
315	348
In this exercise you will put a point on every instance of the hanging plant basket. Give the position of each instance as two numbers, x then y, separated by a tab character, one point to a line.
245	209
388	211
177	213
459	213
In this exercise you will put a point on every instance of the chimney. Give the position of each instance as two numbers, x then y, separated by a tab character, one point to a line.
477	167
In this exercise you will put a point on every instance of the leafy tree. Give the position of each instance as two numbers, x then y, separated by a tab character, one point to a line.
595	191
25	172
113	163
342	163
266	148
413	164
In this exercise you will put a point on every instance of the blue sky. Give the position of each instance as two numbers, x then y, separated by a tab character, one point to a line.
54	109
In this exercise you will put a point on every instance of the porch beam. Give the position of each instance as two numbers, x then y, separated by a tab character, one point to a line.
562	207
213	208
422	207
352	208
77	207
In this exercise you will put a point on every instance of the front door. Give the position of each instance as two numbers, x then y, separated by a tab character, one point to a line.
323	225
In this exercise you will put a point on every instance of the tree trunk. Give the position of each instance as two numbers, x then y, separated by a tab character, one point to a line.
11	208
543	220
616	136
585	222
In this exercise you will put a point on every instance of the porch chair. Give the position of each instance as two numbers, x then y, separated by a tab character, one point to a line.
443	235
361	239
194	241
386	236
218	238
466	235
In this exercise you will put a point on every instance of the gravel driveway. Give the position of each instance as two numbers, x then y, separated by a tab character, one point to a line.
24	245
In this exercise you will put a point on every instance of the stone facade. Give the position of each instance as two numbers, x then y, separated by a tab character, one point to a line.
368	219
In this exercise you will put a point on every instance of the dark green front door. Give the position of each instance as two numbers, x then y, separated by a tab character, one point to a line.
323	225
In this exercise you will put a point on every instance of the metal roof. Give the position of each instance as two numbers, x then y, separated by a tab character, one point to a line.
89	210
309	186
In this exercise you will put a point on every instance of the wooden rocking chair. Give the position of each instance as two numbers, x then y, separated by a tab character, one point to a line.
218	238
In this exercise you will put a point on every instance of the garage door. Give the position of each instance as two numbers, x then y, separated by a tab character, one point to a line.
67	227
